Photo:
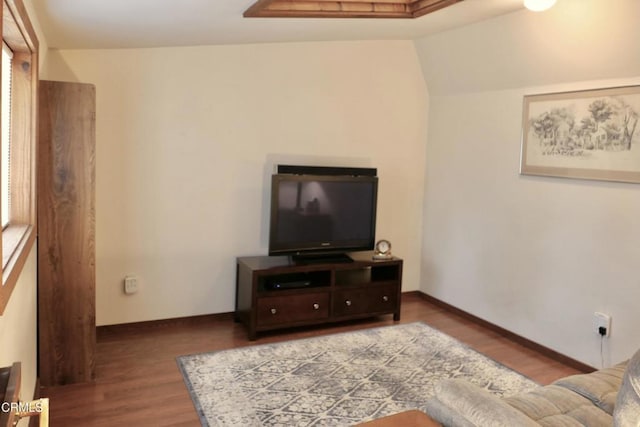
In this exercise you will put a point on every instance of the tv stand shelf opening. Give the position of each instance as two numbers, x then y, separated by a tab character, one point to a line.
276	292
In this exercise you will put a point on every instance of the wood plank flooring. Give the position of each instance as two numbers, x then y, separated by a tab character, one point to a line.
138	382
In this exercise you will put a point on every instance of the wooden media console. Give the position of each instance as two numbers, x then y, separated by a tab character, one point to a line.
274	292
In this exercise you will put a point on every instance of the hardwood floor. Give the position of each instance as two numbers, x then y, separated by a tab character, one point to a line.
138	382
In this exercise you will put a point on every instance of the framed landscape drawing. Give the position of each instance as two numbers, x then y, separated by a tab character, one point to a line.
590	134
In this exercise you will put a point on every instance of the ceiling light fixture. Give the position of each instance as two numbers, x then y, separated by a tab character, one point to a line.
539	5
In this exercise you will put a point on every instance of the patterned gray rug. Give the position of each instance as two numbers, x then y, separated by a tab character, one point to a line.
335	380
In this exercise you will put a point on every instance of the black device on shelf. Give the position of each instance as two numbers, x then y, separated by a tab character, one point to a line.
319	212
277	285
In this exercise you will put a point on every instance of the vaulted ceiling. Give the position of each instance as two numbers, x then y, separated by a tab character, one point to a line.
100	24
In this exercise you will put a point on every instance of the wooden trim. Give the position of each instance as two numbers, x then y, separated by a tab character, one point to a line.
552	354
11	271
106	330
406	9
22	136
256	8
423	7
20	16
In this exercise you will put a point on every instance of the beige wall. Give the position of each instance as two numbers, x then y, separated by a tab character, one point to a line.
537	256
18	328
186	143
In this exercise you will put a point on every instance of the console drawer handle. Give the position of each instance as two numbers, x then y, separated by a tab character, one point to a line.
274	311
348	302
385	298
316	306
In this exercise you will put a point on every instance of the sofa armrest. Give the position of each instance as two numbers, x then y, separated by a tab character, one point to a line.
461	404
627	410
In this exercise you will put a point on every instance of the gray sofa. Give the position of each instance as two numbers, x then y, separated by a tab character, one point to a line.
608	397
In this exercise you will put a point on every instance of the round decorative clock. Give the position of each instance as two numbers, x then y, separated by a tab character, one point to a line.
382	250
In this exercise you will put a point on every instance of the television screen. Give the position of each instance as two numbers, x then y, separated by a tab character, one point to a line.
314	213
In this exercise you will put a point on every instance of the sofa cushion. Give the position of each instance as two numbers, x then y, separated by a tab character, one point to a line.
600	387
553	405
583	416
627	411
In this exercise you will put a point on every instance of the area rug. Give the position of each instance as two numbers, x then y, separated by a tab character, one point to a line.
336	380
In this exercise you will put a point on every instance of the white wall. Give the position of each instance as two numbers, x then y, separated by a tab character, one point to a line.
186	143
534	255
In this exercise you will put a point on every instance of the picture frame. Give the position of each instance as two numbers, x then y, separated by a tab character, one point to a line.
586	134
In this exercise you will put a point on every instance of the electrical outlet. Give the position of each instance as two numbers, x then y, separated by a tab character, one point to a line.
602	320
130	285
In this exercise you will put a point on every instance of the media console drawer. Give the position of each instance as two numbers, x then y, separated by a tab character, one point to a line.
274	292
286	309
371	299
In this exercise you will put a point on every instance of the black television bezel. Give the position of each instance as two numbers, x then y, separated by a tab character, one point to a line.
320	248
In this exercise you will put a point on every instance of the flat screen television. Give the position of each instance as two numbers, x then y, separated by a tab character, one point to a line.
322	215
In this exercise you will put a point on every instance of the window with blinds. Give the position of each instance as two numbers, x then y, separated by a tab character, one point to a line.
19	77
